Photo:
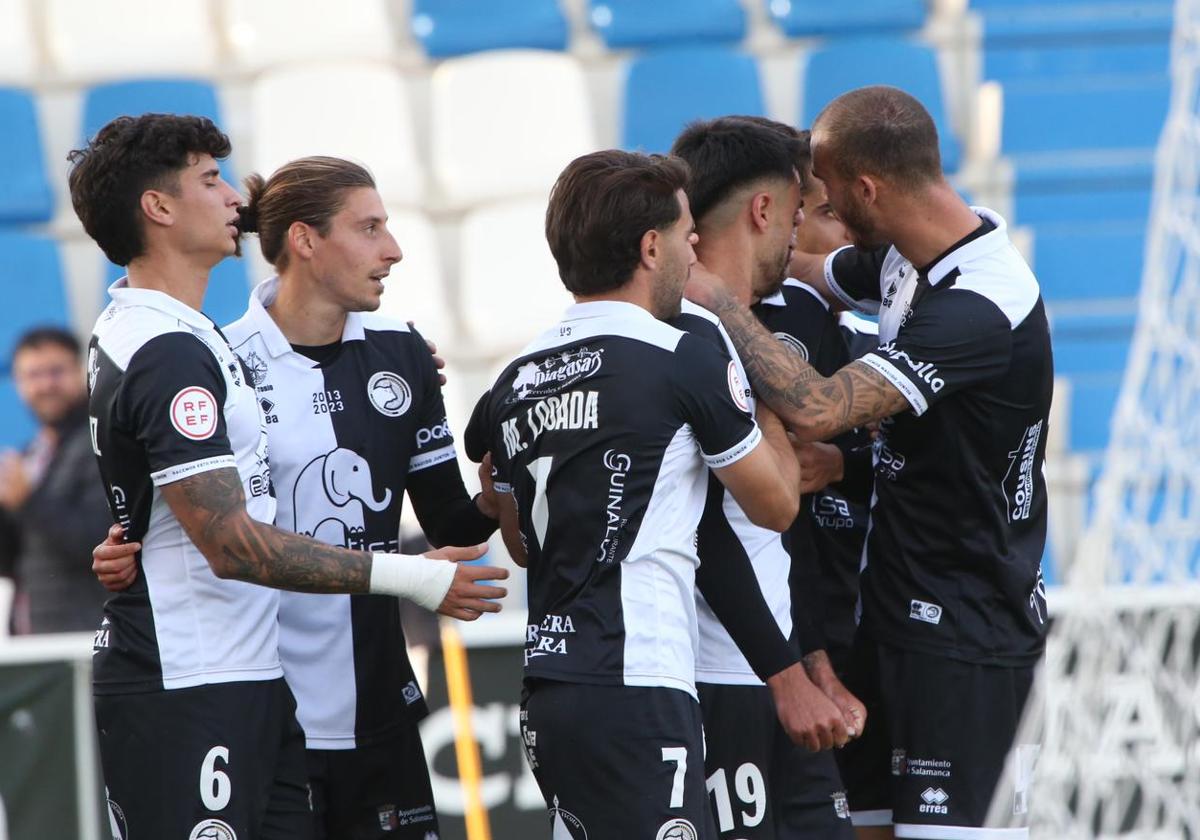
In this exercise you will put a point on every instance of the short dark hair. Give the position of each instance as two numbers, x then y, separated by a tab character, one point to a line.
127	157
40	336
728	153
600	208
310	190
881	130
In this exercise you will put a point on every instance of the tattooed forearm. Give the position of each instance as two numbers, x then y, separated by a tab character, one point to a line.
212	508
812	406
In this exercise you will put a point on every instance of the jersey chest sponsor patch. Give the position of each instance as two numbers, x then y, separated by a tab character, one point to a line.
194	413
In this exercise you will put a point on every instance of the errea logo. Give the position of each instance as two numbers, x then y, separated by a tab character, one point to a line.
925	611
933	801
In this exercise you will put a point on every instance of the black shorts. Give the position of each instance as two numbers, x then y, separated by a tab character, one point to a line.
761	785
375	792
617	762
217	762
938	739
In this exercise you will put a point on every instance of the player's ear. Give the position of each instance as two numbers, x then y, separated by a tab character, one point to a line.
650	248
762	205
868	189
156	206
300	240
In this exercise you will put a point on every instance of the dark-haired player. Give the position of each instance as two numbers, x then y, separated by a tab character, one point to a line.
747	193
953	604
198	736
603	429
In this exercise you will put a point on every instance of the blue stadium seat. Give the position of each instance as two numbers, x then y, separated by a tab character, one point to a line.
1030	20
1094	343
1090	112
800	18
17	425
25	195
665	90
228	292
1093	401
454	27
1094	259
636	23
103	103
1014	62
31	281
841	66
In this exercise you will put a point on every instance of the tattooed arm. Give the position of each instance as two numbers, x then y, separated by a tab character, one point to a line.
211	506
812	406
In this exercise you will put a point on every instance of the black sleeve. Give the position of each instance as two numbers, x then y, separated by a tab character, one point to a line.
804	581
713	400
448	516
435	443
475	437
858	468
854	275
172	401
727	581
955	339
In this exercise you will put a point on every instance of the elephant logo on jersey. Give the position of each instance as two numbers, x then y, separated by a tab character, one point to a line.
678	829
212	830
793	342
565	825
390	394
329	497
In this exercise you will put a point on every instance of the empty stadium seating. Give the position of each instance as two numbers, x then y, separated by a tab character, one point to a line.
633	23
454	27
839	66
359	111
803	18
416	288
265	33
18	53
665	90
504	124
31	281
25	195
507	276
119	38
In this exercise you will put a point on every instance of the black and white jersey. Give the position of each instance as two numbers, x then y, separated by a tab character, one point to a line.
719	660
601	429
170	400
958	522
345	435
827	538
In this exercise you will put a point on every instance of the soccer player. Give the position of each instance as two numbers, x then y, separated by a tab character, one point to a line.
198	735
953	604
354	419
745	192
600	432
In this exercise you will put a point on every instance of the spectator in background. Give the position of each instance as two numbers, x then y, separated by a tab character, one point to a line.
51	500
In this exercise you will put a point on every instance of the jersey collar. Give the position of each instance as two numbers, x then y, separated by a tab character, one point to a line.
125	295
605	309
991	241
274	339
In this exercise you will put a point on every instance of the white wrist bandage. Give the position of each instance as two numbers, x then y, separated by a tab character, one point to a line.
420	579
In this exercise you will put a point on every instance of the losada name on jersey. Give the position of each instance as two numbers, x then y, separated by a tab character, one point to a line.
565	412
